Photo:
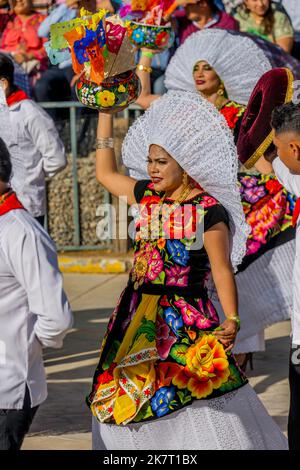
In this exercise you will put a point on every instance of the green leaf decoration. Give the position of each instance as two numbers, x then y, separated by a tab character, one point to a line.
234	380
144	413
185	341
160	279
111	354
147	328
178	353
184	397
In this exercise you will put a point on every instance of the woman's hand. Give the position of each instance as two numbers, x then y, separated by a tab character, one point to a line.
226	333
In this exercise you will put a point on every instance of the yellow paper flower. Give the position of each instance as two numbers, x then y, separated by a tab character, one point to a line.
121	89
105	98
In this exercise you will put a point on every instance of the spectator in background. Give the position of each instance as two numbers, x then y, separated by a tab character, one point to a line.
261	17
38	140
5	15
201	14
230	5
34	311
292	8
20	38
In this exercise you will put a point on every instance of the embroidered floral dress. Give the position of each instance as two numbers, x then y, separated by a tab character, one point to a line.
159	353
267	205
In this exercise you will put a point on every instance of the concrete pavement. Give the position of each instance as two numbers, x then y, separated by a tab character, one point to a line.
63	422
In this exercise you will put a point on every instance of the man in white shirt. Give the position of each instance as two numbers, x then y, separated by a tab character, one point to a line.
36	135
286	123
34	311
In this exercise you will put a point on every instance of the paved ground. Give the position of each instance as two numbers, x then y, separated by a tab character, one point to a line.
64	421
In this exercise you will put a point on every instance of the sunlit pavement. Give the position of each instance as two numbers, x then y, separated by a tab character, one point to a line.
64	421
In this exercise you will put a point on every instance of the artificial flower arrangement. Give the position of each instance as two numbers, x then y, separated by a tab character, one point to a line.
148	23
102	56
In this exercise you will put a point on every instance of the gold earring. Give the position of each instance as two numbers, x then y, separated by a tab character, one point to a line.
221	90
185	178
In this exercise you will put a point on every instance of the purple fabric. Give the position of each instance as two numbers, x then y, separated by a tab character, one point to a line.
187	27
277	56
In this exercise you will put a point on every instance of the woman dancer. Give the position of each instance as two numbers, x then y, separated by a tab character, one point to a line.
225	79
166	378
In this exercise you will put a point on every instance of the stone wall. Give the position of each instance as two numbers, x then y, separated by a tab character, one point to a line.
91	193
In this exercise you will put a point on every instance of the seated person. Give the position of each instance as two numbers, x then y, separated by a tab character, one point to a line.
5	15
264	19
20	38
200	14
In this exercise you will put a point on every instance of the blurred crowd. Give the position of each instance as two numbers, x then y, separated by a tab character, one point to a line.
25	27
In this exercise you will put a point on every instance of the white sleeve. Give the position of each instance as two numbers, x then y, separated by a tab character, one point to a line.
33	260
46	140
289	181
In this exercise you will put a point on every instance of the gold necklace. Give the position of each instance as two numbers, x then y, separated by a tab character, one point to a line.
142	261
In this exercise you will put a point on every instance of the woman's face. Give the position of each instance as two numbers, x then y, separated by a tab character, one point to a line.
22	7
163	170
206	79
258	7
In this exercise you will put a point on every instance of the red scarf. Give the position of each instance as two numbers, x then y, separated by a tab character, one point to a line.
10	203
16	97
296	213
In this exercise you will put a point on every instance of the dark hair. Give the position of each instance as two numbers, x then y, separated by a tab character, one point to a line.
213	6
5	163
286	118
7	68
268	21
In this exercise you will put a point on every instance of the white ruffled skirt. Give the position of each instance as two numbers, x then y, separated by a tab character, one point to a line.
265	291
235	421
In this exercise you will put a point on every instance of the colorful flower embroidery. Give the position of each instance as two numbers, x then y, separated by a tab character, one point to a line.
207	367
164	338
178	252
161	401
191	316
173	319
177	276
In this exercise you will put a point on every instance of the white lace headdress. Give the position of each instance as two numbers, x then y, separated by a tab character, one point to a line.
197	136
238	61
6	133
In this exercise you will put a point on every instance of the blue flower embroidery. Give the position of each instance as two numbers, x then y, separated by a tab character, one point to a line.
138	36
178	252
292	200
161	400
173	319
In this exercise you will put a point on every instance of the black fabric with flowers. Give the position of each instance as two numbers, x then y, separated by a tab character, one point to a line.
160	353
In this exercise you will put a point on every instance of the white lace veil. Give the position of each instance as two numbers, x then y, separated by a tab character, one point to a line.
195	134
238	61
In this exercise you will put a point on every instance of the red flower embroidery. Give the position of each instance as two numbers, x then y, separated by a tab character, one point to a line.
273	186
231	114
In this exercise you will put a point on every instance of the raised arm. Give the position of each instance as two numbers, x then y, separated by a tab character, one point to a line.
216	243
143	71
106	167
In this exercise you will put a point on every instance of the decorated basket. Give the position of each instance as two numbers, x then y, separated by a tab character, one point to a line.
114	93
151	36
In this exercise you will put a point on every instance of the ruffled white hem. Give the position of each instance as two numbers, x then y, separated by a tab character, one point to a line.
235	421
